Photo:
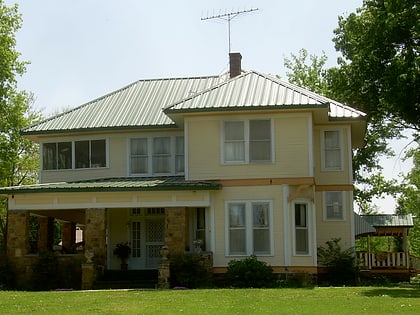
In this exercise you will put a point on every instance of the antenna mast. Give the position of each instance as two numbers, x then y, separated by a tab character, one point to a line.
228	17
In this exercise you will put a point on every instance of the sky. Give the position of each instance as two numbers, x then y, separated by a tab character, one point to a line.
80	50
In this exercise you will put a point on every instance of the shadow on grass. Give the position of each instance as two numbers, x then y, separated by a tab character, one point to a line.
393	292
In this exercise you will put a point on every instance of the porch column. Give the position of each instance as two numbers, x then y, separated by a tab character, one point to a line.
176	229
18	245
45	234
68	235
405	247
95	234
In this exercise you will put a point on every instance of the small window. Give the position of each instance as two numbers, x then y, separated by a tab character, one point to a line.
260	141
332	150
179	155
200	226
334	209
301	229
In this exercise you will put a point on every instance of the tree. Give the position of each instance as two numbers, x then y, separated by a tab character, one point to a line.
18	156
409	201
308	71
380	68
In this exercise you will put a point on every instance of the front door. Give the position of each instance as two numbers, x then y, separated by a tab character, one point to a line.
147	237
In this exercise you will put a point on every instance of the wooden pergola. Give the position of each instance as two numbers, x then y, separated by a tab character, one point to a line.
384	225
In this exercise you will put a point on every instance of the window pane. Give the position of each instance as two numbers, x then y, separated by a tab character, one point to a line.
260	140
139	165
259	130
334	205
302	241
161	155
82	154
260	214
49	156
237	244
234	146
64	155
179	155
332	149
300	215
161	145
138	146
262	241
98	153
234	130
236	215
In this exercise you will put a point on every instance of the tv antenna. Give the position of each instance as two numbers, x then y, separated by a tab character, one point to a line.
228	17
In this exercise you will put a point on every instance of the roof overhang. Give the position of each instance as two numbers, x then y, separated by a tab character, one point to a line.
114	185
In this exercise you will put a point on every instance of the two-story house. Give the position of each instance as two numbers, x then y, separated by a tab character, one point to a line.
244	162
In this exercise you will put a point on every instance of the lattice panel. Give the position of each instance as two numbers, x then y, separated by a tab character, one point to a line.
155	231
153	251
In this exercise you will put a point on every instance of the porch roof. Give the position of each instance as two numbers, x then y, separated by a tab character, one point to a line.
389	224
115	184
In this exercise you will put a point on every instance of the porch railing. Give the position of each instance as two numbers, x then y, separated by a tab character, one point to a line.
383	260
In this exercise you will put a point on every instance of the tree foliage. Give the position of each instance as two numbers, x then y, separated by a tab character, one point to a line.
18	156
379	71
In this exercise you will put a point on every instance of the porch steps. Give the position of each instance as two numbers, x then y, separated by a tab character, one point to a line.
127	279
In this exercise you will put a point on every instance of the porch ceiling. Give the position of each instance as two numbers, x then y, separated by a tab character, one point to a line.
115	184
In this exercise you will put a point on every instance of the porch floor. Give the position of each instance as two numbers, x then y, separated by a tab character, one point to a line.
127	279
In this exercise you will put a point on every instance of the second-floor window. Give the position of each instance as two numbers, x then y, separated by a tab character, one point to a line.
247	141
74	154
332	153
157	155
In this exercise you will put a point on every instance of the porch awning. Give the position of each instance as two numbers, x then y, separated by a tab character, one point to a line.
361	226
114	184
389	224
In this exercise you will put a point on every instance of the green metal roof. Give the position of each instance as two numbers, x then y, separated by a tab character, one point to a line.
389	220
138	105
147	103
114	184
253	90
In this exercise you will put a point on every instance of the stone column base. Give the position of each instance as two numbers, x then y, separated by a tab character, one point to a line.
163	274
88	276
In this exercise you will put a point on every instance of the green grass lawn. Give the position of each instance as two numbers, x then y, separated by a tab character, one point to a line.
359	300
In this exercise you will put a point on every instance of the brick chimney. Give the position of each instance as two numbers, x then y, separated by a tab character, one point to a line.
235	64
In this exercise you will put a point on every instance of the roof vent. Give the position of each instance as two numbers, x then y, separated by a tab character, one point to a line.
235	64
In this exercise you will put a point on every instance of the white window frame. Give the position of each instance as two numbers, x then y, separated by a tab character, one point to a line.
247	141
323	149
249	228
343	206
308	227
73	155
173	141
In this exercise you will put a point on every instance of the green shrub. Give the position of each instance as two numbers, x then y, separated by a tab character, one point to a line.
249	273
187	270
341	264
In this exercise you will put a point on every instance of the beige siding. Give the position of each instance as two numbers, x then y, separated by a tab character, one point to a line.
327	177
326	230
291	149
